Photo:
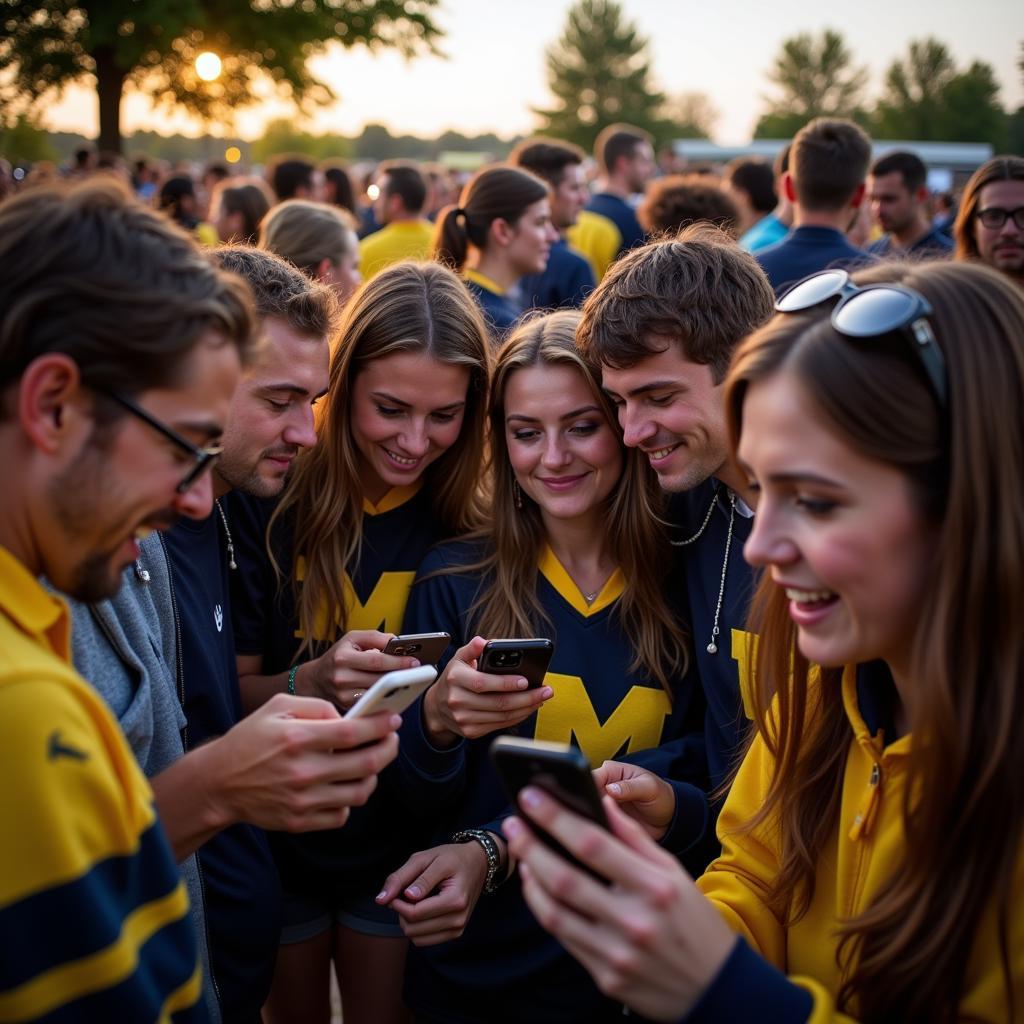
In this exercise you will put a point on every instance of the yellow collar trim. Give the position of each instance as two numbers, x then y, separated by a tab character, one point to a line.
393	499
555	573
32	608
860	727
483	280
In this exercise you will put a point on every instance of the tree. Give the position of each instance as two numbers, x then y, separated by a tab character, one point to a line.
814	78
1015	122
23	141
926	98
599	73
281	136
691	115
152	45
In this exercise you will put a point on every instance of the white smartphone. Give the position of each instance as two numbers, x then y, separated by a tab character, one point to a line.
394	691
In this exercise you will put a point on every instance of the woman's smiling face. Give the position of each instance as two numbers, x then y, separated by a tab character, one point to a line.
407	411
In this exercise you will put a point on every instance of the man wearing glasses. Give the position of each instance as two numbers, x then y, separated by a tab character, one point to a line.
990	225
110	321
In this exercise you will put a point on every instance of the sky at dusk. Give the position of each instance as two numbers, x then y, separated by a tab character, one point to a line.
495	68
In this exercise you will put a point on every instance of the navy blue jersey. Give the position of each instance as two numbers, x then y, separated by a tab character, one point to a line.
396	534
806	250
500	310
603	707
622	215
239	878
566	281
935	245
722	674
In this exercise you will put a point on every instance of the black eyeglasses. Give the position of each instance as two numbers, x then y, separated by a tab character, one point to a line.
995	217
872	311
204	457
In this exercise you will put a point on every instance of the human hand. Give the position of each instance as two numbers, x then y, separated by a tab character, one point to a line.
467	703
296	765
351	666
650	939
644	796
440	889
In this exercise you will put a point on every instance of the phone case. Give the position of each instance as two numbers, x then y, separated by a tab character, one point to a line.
394	691
561	771
523	657
427	648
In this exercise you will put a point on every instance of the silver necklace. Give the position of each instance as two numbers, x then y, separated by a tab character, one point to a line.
227	534
712	647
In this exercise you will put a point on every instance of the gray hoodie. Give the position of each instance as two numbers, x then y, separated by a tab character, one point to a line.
127	648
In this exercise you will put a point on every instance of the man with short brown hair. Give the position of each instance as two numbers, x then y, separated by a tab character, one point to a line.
568	277
663	324
827	168
625	160
898	194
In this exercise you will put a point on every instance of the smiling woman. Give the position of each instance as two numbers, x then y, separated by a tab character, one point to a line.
873	838
396	469
576	551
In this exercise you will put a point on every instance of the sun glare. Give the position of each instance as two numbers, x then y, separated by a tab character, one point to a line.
208	66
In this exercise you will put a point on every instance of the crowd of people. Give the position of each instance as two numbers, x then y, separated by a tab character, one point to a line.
744	443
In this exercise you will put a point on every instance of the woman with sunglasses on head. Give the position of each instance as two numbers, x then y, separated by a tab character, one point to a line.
872	838
575	552
500	232
401	439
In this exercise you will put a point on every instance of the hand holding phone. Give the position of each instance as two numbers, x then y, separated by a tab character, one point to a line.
486	687
560	770
526	658
393	692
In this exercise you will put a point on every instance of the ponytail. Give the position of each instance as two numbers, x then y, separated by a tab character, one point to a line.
496	192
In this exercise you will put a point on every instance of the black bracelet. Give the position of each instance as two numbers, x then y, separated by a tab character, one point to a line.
487	841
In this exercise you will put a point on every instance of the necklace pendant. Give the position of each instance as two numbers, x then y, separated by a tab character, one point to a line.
712	648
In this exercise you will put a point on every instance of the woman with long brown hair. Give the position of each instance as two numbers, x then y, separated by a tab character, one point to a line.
500	231
396	468
575	552
872	839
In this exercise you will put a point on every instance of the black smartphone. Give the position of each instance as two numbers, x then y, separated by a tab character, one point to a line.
561	771
526	658
426	648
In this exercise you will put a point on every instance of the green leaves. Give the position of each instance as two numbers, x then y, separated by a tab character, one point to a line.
152	44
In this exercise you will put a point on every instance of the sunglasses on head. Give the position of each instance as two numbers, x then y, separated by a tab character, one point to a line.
871	311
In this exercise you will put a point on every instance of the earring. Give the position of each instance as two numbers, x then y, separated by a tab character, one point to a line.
517	494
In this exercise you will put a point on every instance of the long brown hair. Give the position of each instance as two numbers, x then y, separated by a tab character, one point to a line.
904	958
409	307
999	168
495	193
508	604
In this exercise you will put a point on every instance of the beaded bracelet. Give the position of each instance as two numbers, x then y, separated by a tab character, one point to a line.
291	679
